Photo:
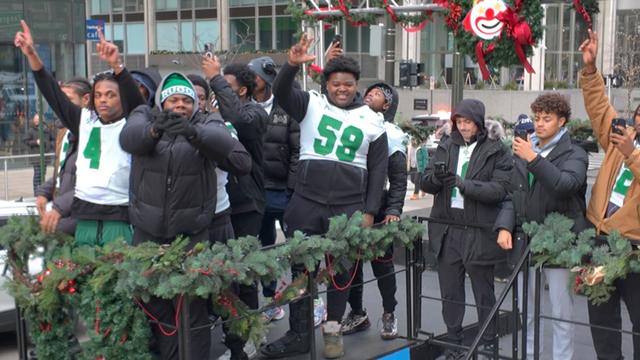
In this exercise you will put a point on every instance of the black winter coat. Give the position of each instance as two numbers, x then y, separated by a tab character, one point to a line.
62	198
173	180
484	189
246	193
560	185
281	150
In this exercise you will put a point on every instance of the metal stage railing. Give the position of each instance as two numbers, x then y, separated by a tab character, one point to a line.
515	319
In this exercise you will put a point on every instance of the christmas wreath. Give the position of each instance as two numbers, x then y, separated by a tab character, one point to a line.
108	286
595	266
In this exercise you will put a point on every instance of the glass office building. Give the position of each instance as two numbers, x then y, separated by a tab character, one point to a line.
58	31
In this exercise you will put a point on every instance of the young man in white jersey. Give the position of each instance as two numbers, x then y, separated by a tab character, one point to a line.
383	99
468	176
102	182
614	202
342	169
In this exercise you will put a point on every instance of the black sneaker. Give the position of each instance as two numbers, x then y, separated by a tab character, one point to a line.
354	323
288	345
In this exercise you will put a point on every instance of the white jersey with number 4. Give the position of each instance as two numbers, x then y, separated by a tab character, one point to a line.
103	168
328	132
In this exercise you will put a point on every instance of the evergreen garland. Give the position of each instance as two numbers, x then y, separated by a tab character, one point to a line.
595	267
108	285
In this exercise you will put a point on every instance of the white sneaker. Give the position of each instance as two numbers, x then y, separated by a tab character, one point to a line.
319	312
249	349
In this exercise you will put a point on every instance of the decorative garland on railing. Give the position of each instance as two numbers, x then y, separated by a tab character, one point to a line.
109	286
595	266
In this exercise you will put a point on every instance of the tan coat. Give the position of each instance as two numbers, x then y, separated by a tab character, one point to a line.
627	219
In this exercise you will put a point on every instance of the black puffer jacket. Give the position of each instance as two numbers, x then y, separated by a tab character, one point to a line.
246	193
485	187
560	185
173	182
281	150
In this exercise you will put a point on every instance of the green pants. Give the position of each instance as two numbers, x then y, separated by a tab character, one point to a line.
101	232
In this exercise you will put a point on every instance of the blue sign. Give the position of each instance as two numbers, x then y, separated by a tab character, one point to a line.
403	354
92	29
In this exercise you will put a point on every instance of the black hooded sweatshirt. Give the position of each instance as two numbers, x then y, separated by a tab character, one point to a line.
331	182
485	187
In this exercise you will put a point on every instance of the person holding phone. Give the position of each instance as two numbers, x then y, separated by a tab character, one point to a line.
549	175
614	201
468	177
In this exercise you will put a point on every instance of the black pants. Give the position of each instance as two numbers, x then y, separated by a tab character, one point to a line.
274	211
416	177
312	218
608	343
165	311
451	275
243	224
382	268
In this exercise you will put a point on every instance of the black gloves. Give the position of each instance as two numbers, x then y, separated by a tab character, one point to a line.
173	124
158	118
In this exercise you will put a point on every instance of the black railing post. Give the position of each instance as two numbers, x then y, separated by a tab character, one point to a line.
536	315
418	266
408	265
21	334
515	313
184	330
312	293
525	310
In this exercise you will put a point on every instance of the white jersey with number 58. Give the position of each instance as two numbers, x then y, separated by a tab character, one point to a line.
103	168
328	132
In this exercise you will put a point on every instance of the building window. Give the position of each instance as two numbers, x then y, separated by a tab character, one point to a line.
240	3
207	33
166	4
100	6
242	33
186	28
169	39
563	34
266	32
134	5
285	28
135	40
208	4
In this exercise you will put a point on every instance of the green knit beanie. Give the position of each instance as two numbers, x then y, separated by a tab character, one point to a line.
176	84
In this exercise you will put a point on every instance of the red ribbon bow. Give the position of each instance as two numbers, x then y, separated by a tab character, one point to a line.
520	31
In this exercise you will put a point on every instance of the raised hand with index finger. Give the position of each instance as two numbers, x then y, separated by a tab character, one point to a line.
109	53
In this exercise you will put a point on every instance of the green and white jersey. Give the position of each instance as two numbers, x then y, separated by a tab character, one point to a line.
63	156
464	156
622	184
330	133
103	168
396	138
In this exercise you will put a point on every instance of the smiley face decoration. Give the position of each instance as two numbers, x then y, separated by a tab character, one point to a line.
483	19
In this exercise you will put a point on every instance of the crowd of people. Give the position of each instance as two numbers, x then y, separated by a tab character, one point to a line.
229	152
